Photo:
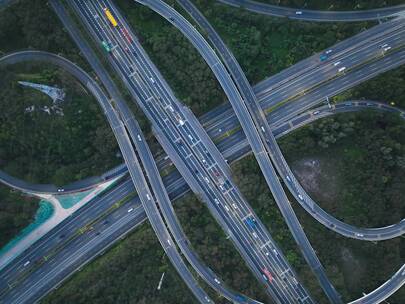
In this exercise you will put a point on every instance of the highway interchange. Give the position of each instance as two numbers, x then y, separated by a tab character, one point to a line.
153	87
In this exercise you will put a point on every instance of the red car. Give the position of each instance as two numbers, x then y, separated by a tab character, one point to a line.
268	275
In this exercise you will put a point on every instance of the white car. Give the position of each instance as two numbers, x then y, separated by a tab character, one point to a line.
298	13
263	129
26	263
130	210
226	208
148	196
288	178
152	80
216	201
301	197
139	137
328	52
341	69
359	234
316	112
384	45
234	206
337	63
217	281
387	48
255	235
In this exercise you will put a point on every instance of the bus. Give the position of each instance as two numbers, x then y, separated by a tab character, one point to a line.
250	222
110	17
106	46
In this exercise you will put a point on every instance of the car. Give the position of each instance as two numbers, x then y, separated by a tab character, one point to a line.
171	18
152	80
234	206
267	253
98	233
226	208
288	178
328	52
275	251
171	108
217	281
148	196
298	12
206	180
189	136
130	210
139	137
255	235
341	69
216	201
359	234
61	190
26	263
316	112
384	45
323	57
263	129
386	48
300	197
337	63
221	187
168	241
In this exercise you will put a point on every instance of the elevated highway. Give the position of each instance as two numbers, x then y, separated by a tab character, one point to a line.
317	15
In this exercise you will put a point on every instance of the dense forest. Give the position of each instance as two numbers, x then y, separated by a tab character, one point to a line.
335	5
41	147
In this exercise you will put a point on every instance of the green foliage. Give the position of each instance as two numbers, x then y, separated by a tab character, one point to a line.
51	148
16	212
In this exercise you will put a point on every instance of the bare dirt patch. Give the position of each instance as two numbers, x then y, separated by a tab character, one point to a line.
320	179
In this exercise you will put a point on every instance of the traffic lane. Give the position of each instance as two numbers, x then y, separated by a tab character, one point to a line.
315	15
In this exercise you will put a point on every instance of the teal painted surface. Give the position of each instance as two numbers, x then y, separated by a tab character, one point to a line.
69	200
44	212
